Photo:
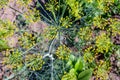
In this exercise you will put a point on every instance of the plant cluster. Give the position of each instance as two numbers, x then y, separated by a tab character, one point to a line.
77	43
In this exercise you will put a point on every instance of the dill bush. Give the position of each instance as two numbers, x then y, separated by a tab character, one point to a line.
76	44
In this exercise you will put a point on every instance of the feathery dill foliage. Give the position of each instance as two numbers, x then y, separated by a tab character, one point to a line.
78	36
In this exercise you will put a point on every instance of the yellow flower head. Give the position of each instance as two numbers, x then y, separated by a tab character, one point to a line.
63	52
34	61
103	43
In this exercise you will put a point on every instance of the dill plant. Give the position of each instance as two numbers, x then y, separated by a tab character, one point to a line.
66	19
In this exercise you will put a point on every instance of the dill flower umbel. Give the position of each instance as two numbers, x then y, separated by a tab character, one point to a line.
13	59
99	22
27	40
85	33
7	28
52	5
88	57
114	26
101	71
34	61
103	43
49	32
65	22
32	15
63	52
75	8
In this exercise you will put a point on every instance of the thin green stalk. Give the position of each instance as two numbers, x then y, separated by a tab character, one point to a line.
63	11
54	17
46	12
46	18
59	9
